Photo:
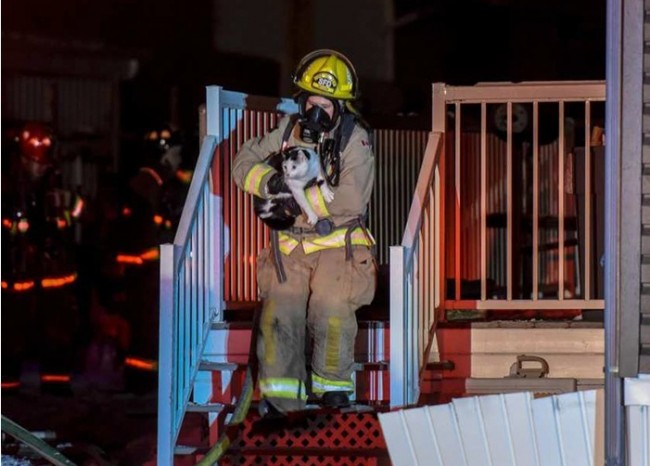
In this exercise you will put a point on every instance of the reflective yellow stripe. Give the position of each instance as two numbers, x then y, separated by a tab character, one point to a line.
336	239
266	325
287	243
320	385
332	344
316	201
254	177
283	387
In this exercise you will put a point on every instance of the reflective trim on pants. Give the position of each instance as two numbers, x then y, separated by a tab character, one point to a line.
283	387
320	385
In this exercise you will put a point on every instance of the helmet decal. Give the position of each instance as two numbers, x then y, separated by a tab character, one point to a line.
325	81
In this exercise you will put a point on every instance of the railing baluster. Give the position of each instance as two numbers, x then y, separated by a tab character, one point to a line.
587	219
483	215
535	246
509	225
457	202
560	214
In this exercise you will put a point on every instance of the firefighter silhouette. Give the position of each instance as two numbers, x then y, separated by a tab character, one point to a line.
149	215
40	317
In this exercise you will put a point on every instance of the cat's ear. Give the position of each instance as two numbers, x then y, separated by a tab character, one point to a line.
305	154
301	156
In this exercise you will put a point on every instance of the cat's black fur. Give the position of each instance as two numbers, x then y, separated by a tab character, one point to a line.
280	210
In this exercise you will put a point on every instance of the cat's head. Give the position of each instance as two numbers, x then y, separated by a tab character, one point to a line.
296	161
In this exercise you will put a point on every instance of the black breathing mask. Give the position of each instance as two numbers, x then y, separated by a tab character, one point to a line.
313	123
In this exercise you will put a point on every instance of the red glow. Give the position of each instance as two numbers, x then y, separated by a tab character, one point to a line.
184	176
142	364
127	259
10	384
61	223
149	255
36	142
56	282
23	225
7	223
126	211
55	378
157	219
24	286
5	285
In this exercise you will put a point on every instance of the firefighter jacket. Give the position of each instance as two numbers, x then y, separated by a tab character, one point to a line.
351	196
37	234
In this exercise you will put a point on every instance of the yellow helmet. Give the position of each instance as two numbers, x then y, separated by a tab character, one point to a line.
328	73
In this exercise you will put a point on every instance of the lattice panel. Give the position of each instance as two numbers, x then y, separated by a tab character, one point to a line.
313	440
297	460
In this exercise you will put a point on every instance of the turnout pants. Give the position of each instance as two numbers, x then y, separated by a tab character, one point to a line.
321	294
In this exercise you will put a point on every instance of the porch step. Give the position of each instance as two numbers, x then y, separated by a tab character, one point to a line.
244	324
229	342
206	408
357	367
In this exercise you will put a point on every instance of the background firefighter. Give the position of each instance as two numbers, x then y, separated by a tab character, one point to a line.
149	211
40	315
315	278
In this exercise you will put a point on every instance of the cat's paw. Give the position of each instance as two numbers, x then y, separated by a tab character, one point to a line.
312	218
328	194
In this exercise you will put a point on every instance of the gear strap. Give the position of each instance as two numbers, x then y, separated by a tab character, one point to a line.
277	257
351	225
288	130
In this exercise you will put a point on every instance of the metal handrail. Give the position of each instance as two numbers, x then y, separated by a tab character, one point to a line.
189	278
192	268
414	288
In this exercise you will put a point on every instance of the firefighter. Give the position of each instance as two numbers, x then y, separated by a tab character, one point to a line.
38	264
149	215
312	279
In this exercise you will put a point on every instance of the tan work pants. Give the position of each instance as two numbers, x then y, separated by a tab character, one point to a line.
321	294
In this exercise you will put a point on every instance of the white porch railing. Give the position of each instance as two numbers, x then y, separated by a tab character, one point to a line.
190	299
468	174
192	270
414	284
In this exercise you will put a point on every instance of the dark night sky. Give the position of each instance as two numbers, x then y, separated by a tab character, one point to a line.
471	40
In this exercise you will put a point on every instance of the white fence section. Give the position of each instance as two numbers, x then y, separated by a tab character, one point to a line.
500	430
637	414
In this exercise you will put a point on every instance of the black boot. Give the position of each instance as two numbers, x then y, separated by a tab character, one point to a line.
335	400
268	411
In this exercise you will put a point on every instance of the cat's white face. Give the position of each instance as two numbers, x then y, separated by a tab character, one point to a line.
296	166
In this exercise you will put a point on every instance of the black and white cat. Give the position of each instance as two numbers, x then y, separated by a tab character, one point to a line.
300	168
